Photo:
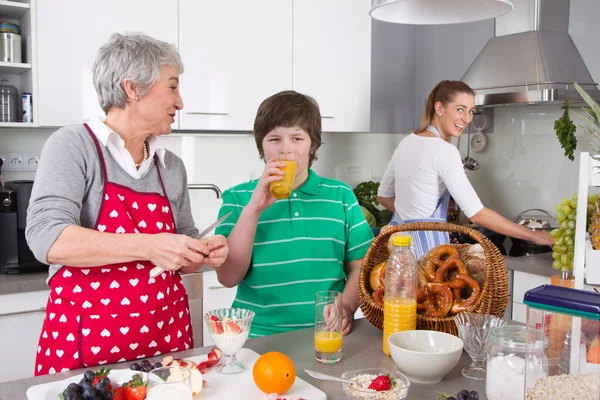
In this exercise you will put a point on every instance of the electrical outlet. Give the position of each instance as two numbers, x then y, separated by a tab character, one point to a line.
19	162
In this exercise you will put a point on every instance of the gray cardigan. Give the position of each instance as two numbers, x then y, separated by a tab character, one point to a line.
68	188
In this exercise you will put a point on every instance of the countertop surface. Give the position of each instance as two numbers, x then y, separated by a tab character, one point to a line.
539	264
361	349
33	282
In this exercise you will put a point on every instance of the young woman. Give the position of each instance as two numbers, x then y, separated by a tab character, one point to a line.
426	170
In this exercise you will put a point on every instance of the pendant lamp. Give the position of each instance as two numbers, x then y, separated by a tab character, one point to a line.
437	12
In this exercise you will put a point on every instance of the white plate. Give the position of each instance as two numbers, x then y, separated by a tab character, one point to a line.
50	391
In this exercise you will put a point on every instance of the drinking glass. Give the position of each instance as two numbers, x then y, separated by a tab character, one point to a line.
229	328
283	188
474	330
168	383
328	327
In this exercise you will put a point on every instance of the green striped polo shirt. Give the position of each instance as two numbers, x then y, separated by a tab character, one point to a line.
300	247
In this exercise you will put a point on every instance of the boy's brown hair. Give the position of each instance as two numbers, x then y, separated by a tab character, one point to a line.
289	109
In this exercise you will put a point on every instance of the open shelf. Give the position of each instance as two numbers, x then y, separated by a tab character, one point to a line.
13	68
18	125
13	9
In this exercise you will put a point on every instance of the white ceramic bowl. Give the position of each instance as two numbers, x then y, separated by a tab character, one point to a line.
425	356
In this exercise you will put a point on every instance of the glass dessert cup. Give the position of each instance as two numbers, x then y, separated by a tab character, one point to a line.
474	330
229	328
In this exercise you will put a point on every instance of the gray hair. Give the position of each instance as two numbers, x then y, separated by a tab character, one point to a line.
133	56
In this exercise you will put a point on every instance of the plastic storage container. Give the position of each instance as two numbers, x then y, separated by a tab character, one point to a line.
509	362
8	102
400	298
570	320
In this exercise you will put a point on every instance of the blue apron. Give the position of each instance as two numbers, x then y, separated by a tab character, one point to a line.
423	241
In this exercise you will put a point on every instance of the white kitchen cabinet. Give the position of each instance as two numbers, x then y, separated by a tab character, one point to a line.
522	282
332	60
21	319
214	296
236	54
70	32
21	75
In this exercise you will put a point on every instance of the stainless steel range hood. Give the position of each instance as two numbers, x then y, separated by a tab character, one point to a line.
535	67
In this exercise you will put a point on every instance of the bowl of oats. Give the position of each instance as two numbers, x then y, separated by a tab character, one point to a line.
375	384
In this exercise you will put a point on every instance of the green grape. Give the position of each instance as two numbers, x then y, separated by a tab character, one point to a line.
562	249
574	198
572	216
564	258
564	225
565	202
567	209
569	232
560	217
571	225
555	255
560	241
569	241
571	254
556	233
556	264
558	208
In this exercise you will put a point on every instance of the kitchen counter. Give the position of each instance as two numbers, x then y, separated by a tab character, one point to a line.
23	283
362	349
536	264
32	282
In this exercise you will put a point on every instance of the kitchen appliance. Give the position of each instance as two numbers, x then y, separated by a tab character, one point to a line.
15	255
535	67
543	222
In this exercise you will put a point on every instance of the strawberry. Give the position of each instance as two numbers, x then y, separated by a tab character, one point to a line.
234	328
135	389
381	383
119	394
101	374
217	327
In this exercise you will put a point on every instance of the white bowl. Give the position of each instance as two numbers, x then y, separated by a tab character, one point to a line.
425	356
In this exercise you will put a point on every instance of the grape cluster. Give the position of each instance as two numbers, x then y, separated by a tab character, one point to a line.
85	390
564	236
145	366
462	395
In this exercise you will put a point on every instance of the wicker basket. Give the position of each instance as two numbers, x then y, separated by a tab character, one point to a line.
494	294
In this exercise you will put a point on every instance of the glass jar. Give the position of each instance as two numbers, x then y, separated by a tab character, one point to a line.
508	356
8	102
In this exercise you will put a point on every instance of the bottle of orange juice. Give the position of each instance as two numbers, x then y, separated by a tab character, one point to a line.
400	298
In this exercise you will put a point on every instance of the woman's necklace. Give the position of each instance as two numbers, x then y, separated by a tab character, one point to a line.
138	165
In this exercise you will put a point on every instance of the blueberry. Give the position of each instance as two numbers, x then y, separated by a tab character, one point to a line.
158	365
89	376
473	395
108	395
462	395
135	367
147	368
145	362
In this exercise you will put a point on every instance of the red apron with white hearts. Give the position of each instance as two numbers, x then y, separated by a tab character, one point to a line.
114	313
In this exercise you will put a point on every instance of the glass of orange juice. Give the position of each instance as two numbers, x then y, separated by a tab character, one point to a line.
283	188
328	327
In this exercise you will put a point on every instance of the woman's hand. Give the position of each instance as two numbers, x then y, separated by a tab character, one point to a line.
262	198
173	251
218	247
542	238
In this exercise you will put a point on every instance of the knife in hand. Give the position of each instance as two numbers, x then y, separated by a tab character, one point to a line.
158	270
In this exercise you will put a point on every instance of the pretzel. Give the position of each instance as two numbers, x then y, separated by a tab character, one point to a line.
461	305
443	268
437	258
440	300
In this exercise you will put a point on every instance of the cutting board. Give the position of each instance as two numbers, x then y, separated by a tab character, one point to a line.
218	386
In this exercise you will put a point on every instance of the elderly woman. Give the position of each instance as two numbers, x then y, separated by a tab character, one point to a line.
109	204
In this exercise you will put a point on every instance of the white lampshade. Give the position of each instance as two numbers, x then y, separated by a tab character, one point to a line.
437	12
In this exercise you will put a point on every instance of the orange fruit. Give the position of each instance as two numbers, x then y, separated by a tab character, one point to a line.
274	372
